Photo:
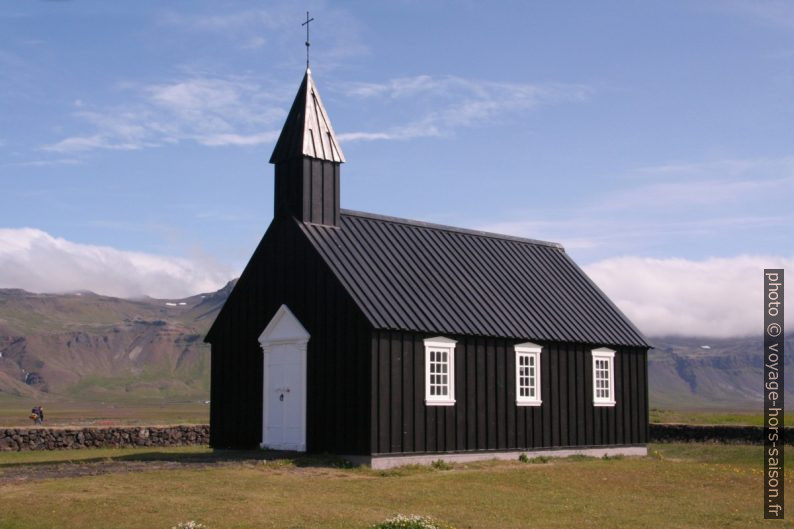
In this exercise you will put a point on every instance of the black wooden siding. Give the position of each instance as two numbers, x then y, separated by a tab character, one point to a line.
285	269
308	189
485	415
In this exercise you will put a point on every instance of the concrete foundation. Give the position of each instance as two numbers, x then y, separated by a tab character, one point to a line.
396	460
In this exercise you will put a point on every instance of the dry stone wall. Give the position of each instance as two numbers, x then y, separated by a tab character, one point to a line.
43	438
713	433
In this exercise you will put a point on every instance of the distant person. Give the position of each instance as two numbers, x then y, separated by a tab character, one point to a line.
37	414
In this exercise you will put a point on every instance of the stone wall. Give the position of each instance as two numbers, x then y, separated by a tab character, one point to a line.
43	438
716	434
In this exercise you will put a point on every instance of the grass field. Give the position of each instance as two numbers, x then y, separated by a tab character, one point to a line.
15	412
679	485
754	418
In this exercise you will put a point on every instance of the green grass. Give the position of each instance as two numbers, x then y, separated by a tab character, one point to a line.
712	417
680	485
14	412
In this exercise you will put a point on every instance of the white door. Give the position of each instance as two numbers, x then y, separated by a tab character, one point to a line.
284	399
284	342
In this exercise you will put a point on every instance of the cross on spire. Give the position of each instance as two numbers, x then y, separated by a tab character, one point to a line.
307	37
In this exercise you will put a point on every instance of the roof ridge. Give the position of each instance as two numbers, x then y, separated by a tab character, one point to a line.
455	229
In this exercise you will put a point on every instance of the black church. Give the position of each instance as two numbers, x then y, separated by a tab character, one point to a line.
394	341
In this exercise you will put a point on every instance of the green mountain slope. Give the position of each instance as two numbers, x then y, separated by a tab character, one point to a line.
87	347
708	373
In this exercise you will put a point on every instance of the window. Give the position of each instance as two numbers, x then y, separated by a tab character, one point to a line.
439	371
528	374
603	377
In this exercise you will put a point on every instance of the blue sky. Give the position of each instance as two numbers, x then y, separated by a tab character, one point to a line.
652	132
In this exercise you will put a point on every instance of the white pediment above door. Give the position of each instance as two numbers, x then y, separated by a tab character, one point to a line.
283	328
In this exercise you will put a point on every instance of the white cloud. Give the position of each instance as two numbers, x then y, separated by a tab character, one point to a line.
695	193
254	43
215	140
773	12
444	104
421	129
583	229
275	28
243	111
36	261
722	167
401	87
676	202
95	141
716	297
711	182
44	163
366	136
226	22
207	110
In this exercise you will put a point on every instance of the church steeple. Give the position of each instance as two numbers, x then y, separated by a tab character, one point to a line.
307	157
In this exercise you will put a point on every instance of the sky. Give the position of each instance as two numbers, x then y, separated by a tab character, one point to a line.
654	140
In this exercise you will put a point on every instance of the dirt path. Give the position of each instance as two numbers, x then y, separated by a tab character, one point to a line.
26	472
16	474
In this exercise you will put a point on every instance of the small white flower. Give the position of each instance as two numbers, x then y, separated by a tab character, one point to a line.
190	525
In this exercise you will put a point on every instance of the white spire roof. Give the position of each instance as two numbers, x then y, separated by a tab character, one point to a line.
307	130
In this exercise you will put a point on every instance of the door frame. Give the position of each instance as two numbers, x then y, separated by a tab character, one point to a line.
285	329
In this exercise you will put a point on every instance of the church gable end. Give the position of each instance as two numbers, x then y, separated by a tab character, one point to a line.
286	270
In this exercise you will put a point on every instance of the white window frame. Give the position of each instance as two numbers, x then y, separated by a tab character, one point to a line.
607	355
443	345
530	351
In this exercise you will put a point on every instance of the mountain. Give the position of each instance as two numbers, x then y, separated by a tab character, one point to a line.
86	347
709	373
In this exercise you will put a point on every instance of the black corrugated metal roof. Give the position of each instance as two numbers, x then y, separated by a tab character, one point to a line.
410	275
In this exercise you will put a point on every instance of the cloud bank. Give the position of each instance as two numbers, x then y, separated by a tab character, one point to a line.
717	297
34	260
